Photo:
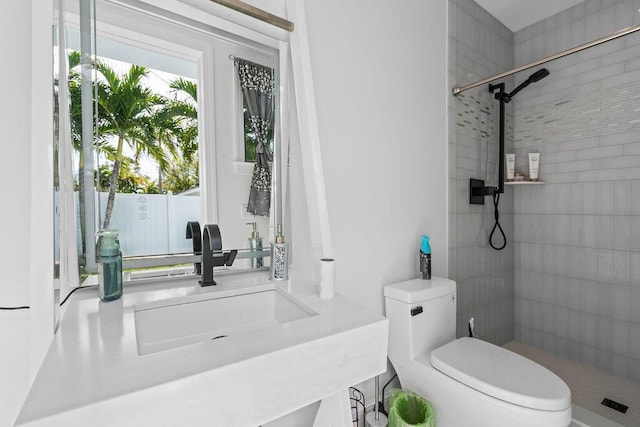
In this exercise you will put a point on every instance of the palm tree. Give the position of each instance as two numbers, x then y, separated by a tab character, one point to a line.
164	132
178	122
125	108
185	110
74	84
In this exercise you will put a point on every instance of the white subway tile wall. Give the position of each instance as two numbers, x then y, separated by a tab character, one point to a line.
577	257
479	45
569	280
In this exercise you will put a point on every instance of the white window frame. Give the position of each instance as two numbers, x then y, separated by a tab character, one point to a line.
203	56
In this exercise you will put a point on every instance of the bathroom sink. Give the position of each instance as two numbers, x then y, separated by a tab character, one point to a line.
184	321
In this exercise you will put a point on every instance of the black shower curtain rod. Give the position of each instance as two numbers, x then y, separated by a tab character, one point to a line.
456	90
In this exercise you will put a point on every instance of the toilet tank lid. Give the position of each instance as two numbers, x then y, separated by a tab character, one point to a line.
502	374
416	290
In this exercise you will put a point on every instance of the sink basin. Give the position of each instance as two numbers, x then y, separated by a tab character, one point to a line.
185	321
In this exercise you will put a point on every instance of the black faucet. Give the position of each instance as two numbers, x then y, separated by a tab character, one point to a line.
193	232
212	254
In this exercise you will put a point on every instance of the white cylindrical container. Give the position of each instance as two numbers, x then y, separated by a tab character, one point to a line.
279	269
327	278
534	166
511	166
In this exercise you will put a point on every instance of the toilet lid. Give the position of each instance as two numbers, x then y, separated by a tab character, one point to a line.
502	374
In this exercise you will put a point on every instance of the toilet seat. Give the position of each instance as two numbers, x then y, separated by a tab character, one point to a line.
502	374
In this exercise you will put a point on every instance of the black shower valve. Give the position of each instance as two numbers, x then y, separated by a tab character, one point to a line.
478	191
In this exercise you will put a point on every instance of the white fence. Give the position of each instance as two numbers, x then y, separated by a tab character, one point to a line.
147	224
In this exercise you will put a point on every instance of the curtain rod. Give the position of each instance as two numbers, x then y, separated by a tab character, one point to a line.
254	12
456	90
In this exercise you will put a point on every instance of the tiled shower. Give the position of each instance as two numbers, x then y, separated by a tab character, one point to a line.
569	279
479	45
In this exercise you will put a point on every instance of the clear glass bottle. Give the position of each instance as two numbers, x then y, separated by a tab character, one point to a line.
109	266
255	245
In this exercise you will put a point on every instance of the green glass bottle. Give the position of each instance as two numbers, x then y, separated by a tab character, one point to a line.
109	266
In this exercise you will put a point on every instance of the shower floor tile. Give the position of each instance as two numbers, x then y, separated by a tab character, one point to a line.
589	386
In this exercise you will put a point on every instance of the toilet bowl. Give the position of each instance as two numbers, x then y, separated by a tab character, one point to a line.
468	381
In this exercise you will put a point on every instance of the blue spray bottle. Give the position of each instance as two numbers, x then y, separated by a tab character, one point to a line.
425	258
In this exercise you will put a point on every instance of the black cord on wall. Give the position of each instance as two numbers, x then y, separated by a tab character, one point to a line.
75	289
26	307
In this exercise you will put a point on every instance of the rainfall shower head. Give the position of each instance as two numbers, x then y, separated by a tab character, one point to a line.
537	76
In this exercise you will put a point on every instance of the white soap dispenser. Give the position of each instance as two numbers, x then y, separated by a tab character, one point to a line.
279	257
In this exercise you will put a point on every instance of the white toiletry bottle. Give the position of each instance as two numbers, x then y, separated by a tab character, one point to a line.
255	245
279	257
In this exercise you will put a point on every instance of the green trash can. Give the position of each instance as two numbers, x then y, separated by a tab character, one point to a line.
408	409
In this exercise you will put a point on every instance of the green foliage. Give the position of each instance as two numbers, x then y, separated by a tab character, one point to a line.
125	111
182	175
184	108
129	112
250	140
130	180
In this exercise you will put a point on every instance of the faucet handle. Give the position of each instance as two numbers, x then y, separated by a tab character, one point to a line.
193	232
211	235
229	257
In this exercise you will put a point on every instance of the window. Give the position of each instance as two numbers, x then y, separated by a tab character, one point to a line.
250	140
148	132
172	168
147	136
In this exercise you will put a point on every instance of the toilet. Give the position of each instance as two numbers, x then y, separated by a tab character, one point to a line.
469	382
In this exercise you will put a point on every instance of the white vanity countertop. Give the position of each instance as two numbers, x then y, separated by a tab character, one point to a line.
93	375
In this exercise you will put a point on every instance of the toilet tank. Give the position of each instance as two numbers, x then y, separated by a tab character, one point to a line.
422	316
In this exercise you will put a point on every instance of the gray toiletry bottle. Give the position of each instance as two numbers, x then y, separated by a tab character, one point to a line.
255	245
279	258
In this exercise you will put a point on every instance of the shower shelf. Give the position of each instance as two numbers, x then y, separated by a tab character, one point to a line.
516	183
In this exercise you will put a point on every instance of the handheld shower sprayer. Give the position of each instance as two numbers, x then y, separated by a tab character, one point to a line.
504	99
538	75
507	97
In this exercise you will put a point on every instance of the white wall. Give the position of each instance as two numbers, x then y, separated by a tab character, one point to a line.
379	73
15	112
27	262
380	80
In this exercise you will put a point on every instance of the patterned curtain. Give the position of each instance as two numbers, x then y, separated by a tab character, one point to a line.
257	85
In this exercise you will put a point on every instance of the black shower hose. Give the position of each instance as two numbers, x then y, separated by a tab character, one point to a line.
496	215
